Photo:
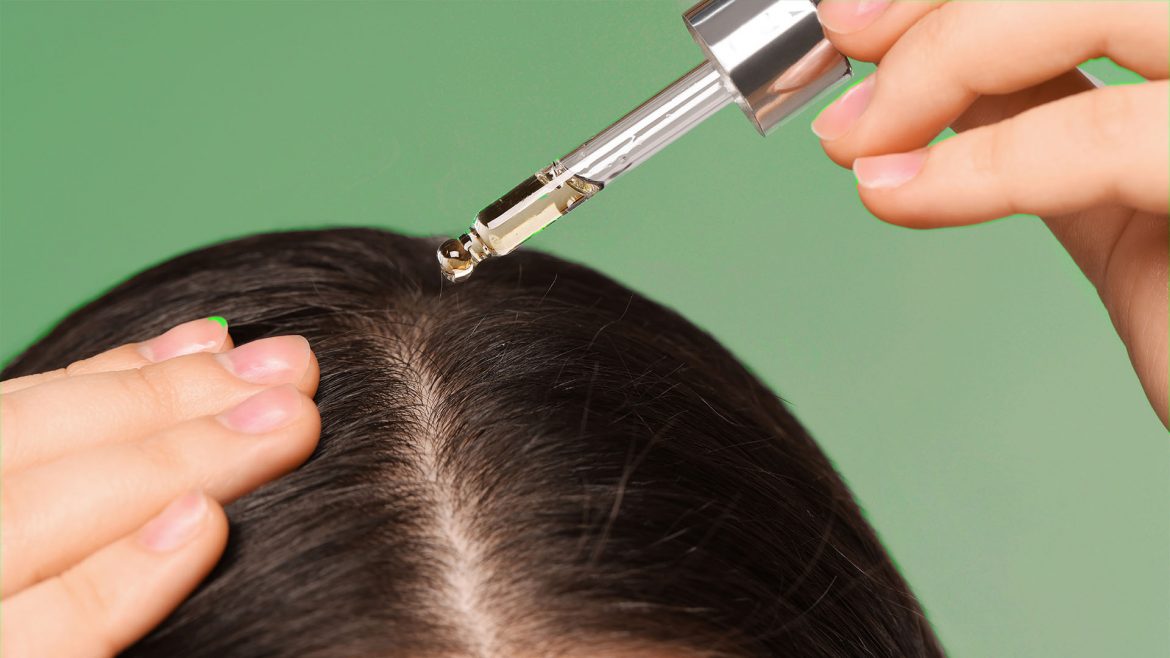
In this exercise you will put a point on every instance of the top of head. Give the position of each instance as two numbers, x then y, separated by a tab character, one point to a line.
538	462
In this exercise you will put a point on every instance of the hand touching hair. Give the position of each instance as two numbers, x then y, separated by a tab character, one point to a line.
537	462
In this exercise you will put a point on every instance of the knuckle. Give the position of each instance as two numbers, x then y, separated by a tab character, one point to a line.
10	503
91	607
159	457
11	417
1110	118
994	161
156	387
933	51
935	31
80	367
16	542
963	45
987	149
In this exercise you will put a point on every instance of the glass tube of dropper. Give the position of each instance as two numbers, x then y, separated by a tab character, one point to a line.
643	132
553	191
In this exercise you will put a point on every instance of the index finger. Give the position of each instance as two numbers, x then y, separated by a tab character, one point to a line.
962	51
204	335
44	422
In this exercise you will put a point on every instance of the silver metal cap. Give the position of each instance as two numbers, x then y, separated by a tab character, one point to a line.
773	53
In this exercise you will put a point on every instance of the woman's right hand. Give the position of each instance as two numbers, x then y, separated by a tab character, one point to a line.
115	467
1036	136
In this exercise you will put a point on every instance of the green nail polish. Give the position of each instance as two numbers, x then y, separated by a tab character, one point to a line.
219	320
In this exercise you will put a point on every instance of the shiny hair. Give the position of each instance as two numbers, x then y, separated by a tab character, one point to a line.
536	462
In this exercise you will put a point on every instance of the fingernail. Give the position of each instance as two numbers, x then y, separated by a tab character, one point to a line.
278	360
886	171
201	335
176	525
836	120
846	16
264	412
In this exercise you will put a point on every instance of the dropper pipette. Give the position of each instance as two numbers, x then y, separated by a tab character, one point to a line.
770	57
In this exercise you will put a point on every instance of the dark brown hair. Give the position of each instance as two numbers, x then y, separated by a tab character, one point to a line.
536	462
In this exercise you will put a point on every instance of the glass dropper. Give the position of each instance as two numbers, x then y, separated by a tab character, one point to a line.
769	56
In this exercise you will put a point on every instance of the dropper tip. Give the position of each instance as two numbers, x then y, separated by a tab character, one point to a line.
455	261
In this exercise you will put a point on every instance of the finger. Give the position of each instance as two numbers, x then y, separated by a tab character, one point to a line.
203	335
43	422
118	594
1122	252
1104	146
993	108
865	30
965	49
56	514
1134	288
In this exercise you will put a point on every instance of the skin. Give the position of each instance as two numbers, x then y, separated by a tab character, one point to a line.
1035	136
90	562
114	472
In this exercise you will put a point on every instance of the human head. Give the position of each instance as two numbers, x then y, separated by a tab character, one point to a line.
536	462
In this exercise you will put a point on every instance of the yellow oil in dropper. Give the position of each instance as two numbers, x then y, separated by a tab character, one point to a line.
503	225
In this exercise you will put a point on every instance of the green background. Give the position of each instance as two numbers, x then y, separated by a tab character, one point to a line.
968	383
